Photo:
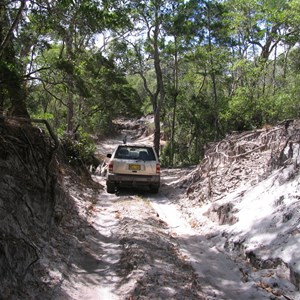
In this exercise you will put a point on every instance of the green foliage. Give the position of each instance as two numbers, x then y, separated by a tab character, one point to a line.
165	155
99	91
225	65
44	116
240	112
78	152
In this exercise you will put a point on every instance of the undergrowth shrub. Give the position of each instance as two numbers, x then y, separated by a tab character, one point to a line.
78	152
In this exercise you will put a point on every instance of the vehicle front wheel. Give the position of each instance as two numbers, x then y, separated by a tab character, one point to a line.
110	187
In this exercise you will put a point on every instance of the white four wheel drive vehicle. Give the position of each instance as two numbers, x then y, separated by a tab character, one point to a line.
133	166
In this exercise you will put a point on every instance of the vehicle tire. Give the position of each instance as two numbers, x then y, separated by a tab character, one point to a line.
110	187
154	189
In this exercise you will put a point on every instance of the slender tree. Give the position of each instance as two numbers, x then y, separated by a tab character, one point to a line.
12	88
143	46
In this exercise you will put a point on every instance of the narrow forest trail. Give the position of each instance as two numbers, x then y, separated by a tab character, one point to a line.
181	243
144	248
219	276
132	255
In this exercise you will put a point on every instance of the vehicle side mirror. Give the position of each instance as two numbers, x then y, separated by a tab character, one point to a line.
108	155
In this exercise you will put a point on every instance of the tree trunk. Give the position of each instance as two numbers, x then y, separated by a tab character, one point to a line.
214	86
156	141
274	71
160	88
174	103
70	115
70	104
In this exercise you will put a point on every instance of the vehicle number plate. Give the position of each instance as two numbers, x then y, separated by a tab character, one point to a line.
134	167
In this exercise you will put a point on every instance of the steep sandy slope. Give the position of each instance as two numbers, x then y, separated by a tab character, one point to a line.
244	198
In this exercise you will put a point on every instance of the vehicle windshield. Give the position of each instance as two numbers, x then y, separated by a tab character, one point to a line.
135	153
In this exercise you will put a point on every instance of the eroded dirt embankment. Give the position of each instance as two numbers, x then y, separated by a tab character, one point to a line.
41	226
244	197
27	203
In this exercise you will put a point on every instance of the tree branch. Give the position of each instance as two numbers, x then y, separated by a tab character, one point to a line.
13	26
35	71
